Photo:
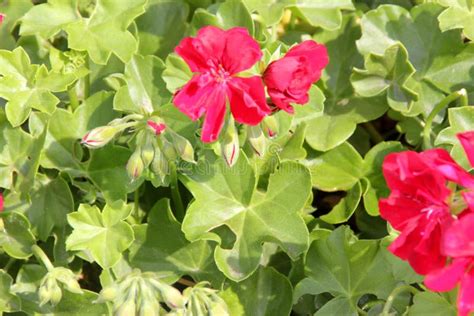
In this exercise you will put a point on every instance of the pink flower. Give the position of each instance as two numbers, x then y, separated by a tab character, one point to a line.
2	17
158	128
417	208
1	202
458	244
216	57
289	79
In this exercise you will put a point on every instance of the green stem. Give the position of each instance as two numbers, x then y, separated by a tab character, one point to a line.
462	94
87	80
73	99
177	201
42	257
373	133
397	291
136	205
274	36
9	264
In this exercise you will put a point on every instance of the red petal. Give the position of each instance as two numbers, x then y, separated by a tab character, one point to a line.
316	54
241	51
466	294
2	17
467	142
203	50
193	99
214	115
445	279
457	241
247	100
1	202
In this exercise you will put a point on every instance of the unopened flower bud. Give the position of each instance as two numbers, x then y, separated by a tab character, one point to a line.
183	147
160	165
67	277
157	128
100	136
270	126
172	296
257	140
135	165
169	150
148	152
127	308
49	291
108	294
149	307
230	144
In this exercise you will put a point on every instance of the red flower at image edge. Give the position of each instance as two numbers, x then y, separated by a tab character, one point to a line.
457	244
216	56
289	79
416	207
2	17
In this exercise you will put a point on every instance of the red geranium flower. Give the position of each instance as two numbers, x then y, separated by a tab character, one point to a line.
417	208
289	79
2	17
216	57
457	244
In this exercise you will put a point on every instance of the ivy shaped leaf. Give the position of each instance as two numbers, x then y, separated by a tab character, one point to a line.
460	120
347	268
391	72
160	246
8	301
26	86
441	59
430	303
458	15
105	235
103	33
16	172
342	109
265	293
229	209
322	13
16	237
145	90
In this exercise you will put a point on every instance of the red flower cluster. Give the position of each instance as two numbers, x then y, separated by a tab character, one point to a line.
434	219
216	57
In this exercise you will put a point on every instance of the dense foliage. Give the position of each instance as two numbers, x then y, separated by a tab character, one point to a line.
237	157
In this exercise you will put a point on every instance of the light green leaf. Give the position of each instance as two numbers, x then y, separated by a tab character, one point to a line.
458	15
344	209
343	164
26	86
12	14
8	301
145	88
265	293
104	234
227	206
16	238
160	247
347	268
460	120
390	72
177	73
270	10
436	304
326	14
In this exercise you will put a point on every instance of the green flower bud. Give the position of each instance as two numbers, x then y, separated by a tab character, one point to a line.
100	136
230	144
270	126
148	153
183	147
169	150
49	291
257	140
67	277
149	307
135	165
160	165
128	308
172	296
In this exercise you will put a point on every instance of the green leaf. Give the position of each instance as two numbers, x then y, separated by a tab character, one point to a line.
458	15
103	33
346	268
227	196
104	234
339	169
8	301
51	201
270	10
439	58
390	72
265	293
62	149
177	73
16	238
145	88
460	120
326	14
12	14
429	303
107	171
344	209
161	27
160	246
26	86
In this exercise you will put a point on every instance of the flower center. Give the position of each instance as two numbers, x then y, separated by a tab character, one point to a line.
218	72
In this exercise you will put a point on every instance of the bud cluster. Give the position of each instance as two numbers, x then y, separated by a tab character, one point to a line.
50	289
201	300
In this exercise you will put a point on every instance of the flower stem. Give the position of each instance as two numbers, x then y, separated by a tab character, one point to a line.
461	94
9	264
177	202
136	205
373	133
42	257
397	291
